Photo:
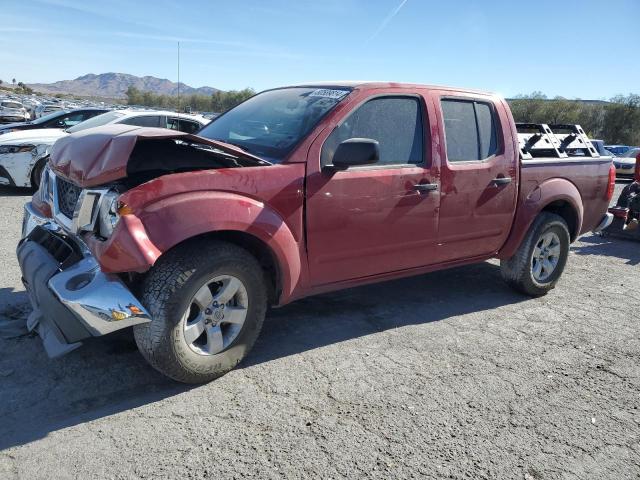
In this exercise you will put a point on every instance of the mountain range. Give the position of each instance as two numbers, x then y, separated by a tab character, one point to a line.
114	85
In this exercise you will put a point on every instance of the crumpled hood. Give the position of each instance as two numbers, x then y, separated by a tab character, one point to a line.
33	136
97	156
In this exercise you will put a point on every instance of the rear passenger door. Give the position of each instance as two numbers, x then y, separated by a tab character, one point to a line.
479	176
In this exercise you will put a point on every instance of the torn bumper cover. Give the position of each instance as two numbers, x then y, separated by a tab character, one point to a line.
72	298
604	223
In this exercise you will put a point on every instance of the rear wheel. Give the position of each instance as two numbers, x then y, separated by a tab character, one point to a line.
539	262
207	301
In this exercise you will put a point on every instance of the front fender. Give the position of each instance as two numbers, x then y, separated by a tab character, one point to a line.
141	238
531	204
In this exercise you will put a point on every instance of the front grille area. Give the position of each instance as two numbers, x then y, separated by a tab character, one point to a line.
68	195
60	248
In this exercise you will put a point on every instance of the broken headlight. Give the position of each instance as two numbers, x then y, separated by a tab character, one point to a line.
108	216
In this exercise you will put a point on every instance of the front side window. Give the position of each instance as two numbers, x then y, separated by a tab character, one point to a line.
98	121
272	123
71	120
470	130
394	122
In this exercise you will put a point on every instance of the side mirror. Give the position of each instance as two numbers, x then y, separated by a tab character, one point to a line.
355	152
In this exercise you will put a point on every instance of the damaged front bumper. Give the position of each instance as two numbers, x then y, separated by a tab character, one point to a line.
72	298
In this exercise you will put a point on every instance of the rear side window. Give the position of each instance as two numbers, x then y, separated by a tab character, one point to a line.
395	122
182	125
143	121
470	130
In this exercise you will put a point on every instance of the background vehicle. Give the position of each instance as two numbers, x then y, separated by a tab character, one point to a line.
625	164
618	149
296	191
23	154
30	104
47	108
602	150
12	111
60	119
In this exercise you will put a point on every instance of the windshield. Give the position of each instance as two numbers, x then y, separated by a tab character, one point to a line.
272	123
51	116
11	105
96	121
633	153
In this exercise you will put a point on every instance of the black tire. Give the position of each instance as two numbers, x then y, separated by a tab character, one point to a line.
167	291
517	271
36	172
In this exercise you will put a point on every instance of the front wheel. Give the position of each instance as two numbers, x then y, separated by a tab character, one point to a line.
36	172
539	262
207	302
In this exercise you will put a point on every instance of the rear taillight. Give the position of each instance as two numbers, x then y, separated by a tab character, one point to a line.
636	177
612	182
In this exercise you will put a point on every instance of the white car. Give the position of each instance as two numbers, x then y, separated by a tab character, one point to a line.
626	163
13	111
24	154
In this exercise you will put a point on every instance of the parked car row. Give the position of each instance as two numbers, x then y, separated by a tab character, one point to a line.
24	150
13	111
626	163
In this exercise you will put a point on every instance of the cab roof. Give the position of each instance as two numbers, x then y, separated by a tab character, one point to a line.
366	85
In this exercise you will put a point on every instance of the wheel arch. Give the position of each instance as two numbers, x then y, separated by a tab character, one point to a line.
265	255
166	224
569	214
556	195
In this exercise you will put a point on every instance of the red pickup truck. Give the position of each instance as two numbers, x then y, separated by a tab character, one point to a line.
297	191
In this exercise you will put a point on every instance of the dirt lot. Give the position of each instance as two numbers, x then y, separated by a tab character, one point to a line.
447	375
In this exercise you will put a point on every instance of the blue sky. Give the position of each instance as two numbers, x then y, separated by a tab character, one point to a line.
577	49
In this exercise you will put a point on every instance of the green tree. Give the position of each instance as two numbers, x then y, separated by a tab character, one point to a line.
622	120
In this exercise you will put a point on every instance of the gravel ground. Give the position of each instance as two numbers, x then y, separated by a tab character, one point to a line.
446	375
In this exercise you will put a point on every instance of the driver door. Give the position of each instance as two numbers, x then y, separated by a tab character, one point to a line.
374	219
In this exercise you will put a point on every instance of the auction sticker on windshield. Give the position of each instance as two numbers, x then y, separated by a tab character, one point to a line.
329	93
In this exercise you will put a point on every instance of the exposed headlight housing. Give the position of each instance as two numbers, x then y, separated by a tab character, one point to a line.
16	148
46	186
108	216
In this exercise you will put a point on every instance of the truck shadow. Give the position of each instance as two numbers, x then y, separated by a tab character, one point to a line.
7	191
335	317
609	246
39	396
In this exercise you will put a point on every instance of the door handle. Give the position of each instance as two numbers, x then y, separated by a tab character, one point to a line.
425	187
501	181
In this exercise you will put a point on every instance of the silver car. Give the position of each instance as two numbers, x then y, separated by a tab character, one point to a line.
13	111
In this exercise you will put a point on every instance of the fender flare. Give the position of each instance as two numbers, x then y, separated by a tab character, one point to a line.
139	239
539	199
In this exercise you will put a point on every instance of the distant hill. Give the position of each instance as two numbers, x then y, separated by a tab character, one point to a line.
114	85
